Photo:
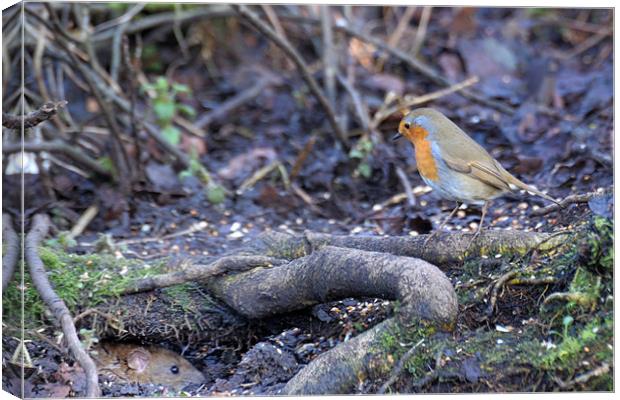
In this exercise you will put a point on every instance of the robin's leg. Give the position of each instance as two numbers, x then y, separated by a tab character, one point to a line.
445	221
485	207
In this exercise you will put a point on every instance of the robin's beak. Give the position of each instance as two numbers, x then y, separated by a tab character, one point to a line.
396	136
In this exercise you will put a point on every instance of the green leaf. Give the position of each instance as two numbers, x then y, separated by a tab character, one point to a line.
364	170
181	88
164	110
355	153
171	134
161	84
366	145
215	194
187	110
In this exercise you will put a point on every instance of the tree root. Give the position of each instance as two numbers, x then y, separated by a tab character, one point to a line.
329	273
11	252
497	286
192	272
272	248
40	226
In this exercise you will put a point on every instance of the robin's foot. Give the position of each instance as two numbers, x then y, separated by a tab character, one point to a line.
428	239
477	233
473	239
436	231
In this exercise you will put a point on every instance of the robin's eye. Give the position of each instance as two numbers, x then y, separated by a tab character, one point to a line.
407	125
174	369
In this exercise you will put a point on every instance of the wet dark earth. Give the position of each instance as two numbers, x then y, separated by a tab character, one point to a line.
282	170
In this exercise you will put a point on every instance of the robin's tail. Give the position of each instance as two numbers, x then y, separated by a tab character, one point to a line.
515	184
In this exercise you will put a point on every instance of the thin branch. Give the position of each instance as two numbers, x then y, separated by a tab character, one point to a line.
83	221
11	250
407	186
587	44
38	231
58	146
399	367
420	34
410	101
286	47
357	102
163	19
45	112
235	102
195	272
572	199
395	37
117	41
496	287
329	57
585	377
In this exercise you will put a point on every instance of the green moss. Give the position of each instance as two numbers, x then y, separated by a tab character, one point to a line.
589	339
81	281
182	297
601	241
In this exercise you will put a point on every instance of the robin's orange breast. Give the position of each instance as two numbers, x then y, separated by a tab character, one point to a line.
427	166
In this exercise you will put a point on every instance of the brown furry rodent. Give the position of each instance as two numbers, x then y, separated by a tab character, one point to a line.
145	364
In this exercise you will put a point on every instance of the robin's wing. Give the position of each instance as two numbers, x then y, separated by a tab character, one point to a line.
485	170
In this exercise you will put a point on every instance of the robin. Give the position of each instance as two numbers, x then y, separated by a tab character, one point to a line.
454	165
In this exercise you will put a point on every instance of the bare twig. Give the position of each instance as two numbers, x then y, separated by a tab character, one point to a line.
572	199
397	34
406	185
83	221
117	42
410	101
197	227
235	102
399	367
258	175
165	20
360	110
58	146
38	231
195	272
302	156
585	377
11	250
136	123
420	34
496	288
587	44
329	56
286	47
45	112
275	21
